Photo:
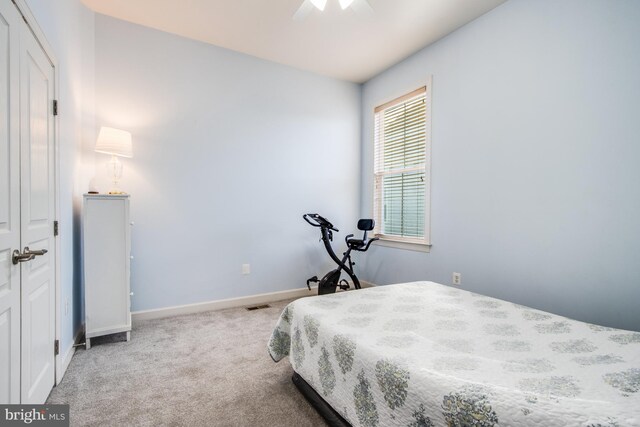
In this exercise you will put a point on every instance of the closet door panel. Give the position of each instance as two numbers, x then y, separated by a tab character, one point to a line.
37	212
10	23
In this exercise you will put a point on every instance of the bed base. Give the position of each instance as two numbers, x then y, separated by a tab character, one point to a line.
328	413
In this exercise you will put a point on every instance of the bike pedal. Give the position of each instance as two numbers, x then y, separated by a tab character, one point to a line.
344	285
312	279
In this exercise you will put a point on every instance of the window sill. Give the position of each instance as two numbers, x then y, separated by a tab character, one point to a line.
410	246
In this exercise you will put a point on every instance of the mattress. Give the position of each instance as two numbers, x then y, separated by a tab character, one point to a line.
424	354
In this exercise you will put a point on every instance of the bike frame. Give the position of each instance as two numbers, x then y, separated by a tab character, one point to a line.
327	235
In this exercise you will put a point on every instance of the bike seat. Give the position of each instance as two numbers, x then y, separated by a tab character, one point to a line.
361	244
356	243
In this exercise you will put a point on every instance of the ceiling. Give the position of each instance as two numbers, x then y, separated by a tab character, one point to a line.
338	43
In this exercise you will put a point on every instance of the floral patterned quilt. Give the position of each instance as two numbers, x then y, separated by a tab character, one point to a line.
424	354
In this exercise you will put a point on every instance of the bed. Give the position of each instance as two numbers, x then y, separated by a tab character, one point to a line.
425	354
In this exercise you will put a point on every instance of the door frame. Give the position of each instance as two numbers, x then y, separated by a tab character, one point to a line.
30	19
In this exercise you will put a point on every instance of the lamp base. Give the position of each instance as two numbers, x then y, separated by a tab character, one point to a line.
115	168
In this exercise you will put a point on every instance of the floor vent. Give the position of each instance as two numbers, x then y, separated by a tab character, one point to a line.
258	307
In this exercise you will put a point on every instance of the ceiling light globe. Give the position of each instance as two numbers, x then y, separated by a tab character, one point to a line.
320	4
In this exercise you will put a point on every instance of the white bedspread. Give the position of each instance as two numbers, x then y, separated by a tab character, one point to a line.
424	354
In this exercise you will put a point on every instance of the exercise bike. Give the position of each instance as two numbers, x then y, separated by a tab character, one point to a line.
331	280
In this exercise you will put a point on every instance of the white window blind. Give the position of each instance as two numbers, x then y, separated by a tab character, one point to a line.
400	168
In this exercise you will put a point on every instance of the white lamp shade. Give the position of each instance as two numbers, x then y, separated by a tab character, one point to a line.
114	141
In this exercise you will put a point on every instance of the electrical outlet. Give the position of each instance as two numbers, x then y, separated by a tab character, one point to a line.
246	269
456	279
66	307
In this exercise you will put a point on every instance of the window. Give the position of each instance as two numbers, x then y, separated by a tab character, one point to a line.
401	178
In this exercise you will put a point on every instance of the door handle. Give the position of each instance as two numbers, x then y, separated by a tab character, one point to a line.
34	253
18	257
26	255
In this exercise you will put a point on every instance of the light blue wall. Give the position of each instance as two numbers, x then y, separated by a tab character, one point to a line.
536	158
230	151
69	28
535	153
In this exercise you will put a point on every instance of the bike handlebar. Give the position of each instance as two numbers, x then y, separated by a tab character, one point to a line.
319	221
366	248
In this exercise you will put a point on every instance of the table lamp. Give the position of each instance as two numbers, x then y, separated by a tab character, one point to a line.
117	143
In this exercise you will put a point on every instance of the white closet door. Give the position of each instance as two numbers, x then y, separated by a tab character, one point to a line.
37	216
10	23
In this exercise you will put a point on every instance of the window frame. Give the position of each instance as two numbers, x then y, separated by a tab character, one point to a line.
422	244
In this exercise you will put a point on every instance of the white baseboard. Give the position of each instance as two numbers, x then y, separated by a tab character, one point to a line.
65	359
366	284
64	362
159	313
177	310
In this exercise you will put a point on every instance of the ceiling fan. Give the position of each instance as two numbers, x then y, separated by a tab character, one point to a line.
359	6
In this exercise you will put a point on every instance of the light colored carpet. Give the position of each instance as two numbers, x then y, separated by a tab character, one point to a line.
207	369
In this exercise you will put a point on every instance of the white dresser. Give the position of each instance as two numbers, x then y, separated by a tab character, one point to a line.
107	260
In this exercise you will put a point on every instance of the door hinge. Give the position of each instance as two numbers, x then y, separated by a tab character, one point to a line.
56	347
55	107
55	228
